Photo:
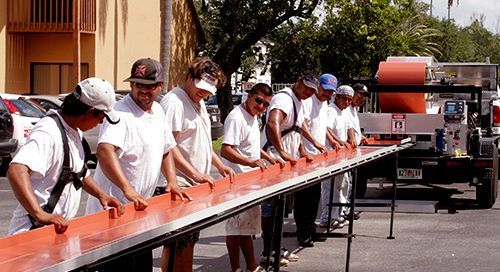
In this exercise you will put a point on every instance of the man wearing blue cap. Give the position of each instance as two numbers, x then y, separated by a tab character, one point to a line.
314	131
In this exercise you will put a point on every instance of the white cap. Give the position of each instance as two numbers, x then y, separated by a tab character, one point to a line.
98	94
345	90
207	83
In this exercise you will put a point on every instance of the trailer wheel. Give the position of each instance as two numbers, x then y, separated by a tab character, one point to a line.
361	184
486	193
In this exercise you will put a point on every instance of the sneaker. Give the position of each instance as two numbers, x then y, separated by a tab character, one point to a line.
263	261
337	224
318	237
290	256
306	242
239	270
258	269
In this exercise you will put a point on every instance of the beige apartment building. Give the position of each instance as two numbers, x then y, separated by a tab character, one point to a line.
41	41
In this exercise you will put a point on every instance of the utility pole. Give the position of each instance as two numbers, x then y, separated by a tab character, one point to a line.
431	9
450	3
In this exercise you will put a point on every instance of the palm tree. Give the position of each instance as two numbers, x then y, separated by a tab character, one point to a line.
418	38
166	32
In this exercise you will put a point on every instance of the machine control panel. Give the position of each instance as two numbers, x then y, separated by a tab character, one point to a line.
454	110
454	107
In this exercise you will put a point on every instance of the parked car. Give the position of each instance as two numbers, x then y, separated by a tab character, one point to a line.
54	102
25	115
216	126
7	143
238	99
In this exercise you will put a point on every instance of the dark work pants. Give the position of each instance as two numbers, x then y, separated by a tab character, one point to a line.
305	210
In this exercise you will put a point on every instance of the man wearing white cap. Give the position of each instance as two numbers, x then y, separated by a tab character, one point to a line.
338	125
35	173
187	117
132	153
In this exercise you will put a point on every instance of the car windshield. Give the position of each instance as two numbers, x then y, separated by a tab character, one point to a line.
212	100
27	109
46	104
237	99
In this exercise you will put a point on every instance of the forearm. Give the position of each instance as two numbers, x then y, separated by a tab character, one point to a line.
217	162
274	136
19	179
168	169
182	164
266	156
91	187
307	134
231	155
330	137
350	134
335	137
110	166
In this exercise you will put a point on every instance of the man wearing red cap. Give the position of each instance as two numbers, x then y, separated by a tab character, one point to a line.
132	152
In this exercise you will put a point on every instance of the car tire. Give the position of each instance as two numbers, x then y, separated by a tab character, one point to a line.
4	165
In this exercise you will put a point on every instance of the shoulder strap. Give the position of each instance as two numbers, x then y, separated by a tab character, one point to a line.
288	130
66	175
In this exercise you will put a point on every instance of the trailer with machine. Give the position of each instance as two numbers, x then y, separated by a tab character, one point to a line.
449	111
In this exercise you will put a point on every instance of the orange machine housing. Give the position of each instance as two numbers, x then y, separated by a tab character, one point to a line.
408	73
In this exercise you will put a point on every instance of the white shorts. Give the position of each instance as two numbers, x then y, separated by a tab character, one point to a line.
245	223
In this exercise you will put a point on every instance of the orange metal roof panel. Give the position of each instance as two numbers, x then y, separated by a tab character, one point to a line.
95	236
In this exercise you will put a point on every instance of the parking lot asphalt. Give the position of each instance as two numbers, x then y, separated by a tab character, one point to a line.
456	237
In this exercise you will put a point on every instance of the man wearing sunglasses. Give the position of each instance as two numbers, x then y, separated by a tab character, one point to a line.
241	151
132	153
314	131
188	119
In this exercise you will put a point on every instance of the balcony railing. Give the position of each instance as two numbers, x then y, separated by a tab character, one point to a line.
50	15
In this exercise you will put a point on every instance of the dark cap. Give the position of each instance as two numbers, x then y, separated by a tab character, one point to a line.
310	80
146	71
360	88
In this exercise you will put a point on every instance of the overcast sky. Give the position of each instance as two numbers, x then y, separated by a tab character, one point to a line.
465	10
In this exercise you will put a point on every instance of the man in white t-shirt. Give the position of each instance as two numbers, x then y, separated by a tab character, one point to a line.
132	152
187	117
283	138
35	170
241	151
314	131
355	137
338	125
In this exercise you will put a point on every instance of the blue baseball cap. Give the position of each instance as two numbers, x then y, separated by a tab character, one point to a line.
328	82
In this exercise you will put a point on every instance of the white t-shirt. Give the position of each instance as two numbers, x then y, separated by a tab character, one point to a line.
43	153
284	102
241	130
316	116
193	124
142	139
339	121
353	116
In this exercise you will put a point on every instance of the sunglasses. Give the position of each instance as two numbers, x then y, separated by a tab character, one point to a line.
149	87
260	100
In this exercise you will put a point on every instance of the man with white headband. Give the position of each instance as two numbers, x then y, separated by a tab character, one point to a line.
188	119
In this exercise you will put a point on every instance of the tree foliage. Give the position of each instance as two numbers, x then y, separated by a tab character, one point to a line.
233	27
348	38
